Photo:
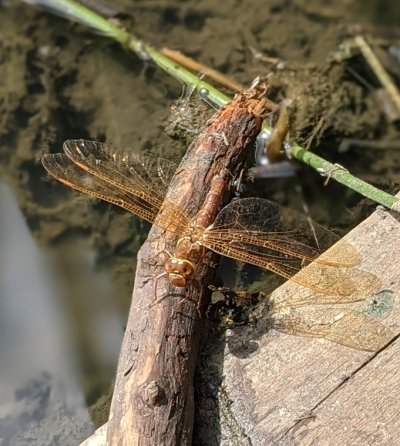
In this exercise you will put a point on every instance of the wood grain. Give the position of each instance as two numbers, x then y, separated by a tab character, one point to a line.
277	389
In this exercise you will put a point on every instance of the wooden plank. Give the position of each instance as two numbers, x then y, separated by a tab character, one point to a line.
286	390
341	416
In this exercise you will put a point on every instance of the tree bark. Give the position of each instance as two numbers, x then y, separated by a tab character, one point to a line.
153	397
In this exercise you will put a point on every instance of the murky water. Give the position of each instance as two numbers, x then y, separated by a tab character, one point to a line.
59	338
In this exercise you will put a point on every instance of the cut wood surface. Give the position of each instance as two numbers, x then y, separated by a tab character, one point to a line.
284	390
153	397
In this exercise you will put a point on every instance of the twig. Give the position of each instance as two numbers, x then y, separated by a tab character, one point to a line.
193	65
378	69
153	397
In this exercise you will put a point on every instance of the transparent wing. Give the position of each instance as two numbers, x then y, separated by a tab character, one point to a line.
261	233
353	329
341	286
65	171
267	229
137	183
139	174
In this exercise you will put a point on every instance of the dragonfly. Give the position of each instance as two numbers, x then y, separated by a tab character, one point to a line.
251	230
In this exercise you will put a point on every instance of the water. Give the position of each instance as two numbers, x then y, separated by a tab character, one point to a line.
59	335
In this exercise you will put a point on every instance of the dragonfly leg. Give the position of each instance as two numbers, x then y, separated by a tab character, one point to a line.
155	300
199	303
158	254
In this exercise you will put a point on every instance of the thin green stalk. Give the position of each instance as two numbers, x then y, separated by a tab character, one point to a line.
83	15
343	176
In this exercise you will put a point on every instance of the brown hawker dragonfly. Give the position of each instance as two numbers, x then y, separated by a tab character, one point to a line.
251	230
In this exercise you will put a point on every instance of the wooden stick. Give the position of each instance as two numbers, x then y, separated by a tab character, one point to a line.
153	396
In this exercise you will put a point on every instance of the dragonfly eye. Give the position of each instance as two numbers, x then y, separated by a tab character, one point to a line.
186	271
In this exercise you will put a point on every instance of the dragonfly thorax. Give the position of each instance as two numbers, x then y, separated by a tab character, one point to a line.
195	235
179	271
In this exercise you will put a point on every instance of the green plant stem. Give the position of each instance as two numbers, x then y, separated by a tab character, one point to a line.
343	176
211	95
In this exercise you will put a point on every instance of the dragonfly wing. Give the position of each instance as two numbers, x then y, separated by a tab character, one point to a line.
353	329
136	182
267	228
334	284
141	174
65	171
340	286
262	233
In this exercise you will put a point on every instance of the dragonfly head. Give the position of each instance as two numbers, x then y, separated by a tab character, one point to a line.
179	271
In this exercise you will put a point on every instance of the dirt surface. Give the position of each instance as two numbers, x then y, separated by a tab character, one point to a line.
59	81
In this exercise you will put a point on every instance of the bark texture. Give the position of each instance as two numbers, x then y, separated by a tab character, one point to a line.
153	396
